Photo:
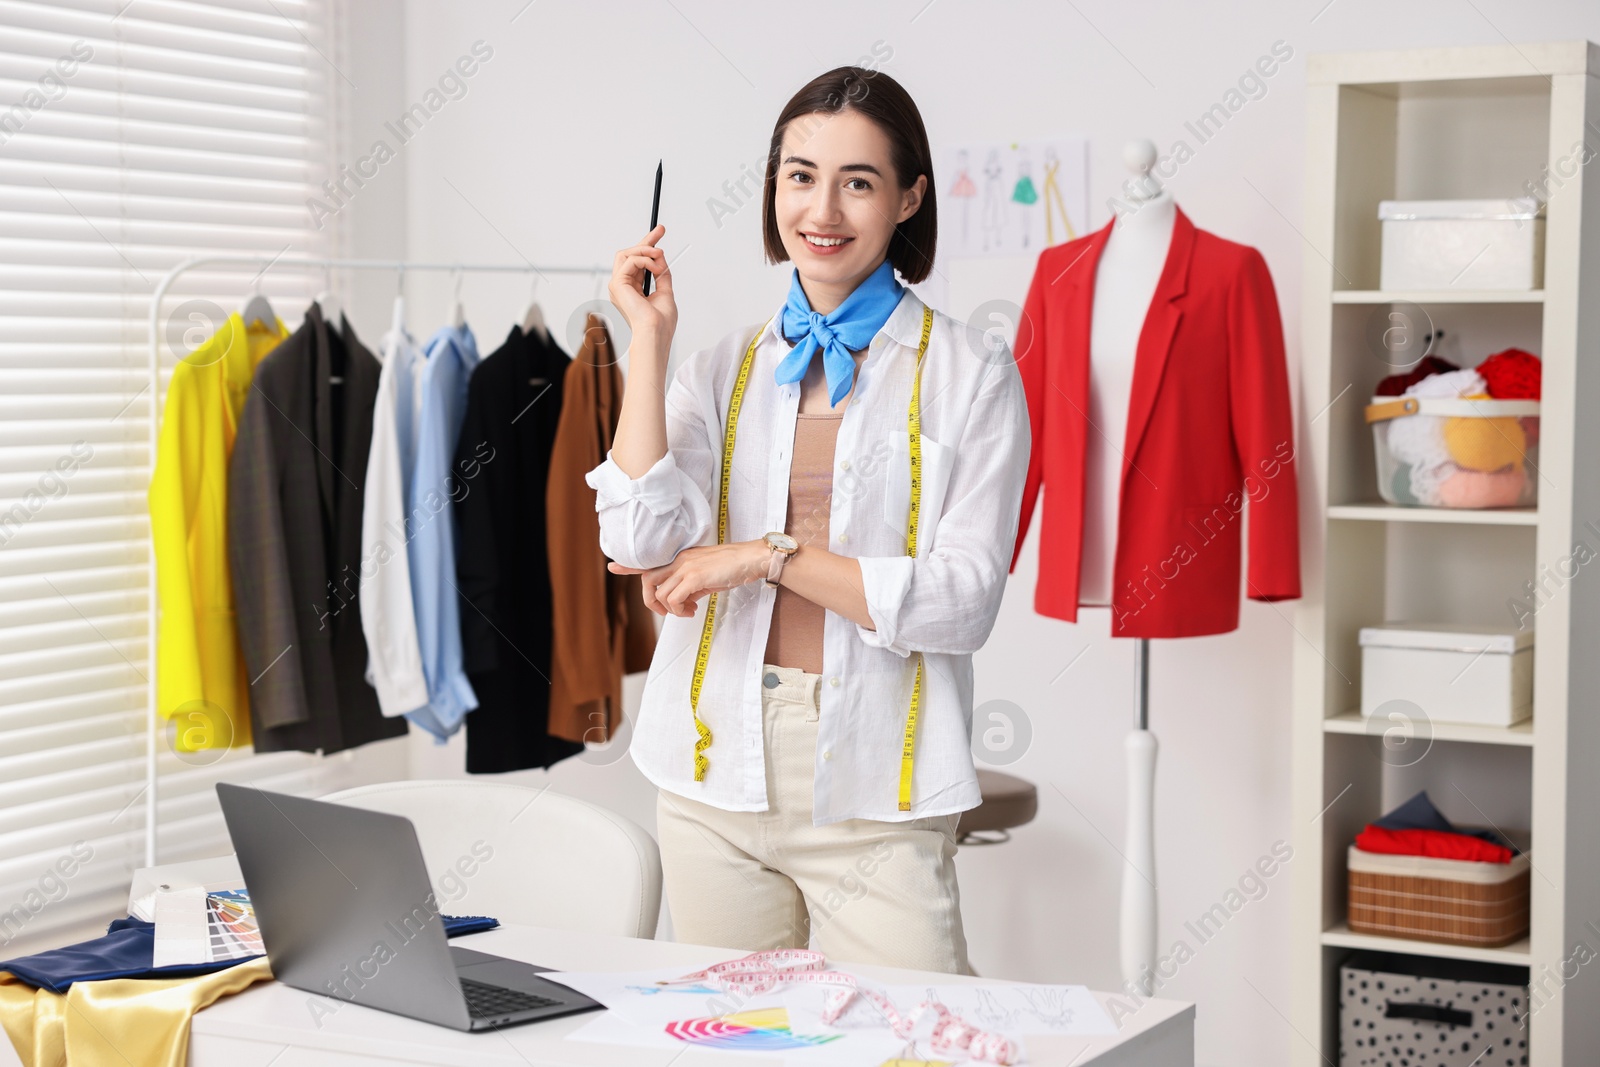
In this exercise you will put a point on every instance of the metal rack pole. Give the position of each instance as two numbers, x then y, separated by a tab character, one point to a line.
265	262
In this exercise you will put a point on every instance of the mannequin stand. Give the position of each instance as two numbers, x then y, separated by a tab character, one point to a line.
1138	930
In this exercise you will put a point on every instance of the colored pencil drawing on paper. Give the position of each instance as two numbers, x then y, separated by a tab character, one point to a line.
1013	198
699	988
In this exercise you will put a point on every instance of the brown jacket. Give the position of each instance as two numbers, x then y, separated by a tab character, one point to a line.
600	628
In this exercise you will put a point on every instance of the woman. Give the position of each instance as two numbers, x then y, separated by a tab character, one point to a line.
799	794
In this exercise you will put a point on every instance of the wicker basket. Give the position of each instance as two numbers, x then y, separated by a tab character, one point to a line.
1454	901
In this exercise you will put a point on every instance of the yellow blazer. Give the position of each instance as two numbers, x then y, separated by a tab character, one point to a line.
200	673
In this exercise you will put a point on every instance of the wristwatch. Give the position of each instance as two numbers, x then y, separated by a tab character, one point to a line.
783	546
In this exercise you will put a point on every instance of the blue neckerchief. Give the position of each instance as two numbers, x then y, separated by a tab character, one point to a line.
851	325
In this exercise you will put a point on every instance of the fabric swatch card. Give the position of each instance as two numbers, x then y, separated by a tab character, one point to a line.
182	931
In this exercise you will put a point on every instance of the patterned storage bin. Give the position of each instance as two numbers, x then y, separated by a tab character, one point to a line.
1414	1011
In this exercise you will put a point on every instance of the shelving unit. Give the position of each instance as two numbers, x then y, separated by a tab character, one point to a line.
1447	296
1352	722
1382	511
1447	124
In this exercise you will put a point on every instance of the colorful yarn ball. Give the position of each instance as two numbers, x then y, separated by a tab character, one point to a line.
1400	487
1456	383
1512	375
1485	444
1426	482
1483	489
1418	440
1396	384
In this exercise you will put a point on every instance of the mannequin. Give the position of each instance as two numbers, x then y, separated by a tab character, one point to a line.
1124	282
1181	370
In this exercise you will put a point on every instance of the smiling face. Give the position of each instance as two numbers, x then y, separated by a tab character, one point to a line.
837	201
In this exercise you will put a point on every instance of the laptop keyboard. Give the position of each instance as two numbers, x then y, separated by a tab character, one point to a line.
485	1000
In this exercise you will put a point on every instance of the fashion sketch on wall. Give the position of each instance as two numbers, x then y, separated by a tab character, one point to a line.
1014	198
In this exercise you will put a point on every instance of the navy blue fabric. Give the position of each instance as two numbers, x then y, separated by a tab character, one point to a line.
1418	813
127	949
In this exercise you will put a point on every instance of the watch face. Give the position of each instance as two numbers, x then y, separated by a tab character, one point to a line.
783	541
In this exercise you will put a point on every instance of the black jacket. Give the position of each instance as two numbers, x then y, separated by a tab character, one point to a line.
294	542
502	460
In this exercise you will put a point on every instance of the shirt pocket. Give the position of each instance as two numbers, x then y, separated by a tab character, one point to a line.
938	459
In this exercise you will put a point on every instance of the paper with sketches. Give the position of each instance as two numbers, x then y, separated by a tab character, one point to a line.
644	1014
1013	198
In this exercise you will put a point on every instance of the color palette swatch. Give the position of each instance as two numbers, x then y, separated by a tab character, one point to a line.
764	1030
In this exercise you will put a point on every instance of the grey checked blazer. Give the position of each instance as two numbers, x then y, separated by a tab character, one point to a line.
294	542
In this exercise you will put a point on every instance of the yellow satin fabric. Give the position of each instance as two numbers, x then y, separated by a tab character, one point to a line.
115	1022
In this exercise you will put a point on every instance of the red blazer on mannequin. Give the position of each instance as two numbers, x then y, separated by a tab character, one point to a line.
1209	427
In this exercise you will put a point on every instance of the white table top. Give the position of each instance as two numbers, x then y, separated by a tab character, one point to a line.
271	1023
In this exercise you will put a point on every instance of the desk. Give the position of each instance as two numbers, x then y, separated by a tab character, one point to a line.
270	1023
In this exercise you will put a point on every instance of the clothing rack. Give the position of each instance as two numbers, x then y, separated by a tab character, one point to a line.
264	263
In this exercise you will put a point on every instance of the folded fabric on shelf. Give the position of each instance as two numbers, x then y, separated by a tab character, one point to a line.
1435	844
1417	828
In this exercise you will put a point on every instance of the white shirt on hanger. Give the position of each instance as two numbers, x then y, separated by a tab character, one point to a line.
975	443
388	613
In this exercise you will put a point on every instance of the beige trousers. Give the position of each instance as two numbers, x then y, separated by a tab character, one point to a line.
863	890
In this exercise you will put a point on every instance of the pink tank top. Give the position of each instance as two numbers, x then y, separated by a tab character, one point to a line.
795	639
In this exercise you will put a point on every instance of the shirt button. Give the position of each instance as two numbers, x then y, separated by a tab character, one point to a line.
843	539
827	753
844	464
833	681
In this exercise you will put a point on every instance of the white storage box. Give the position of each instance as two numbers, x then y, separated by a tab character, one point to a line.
1462	244
1469	674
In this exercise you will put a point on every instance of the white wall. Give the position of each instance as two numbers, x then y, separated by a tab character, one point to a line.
550	155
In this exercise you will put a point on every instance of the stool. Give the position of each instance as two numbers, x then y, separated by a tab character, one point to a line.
1007	801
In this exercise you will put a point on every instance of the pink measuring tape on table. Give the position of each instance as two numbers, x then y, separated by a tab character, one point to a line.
762	972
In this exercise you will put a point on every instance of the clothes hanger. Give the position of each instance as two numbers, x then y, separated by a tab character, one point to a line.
533	318
397	322
605	324
332	313
328	300
533	326
459	318
258	308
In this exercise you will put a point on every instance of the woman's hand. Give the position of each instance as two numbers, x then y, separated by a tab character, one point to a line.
655	315
676	588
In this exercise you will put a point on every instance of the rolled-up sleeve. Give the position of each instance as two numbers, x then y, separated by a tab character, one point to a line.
946	600
646	521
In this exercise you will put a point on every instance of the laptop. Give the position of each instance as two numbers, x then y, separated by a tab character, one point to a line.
346	909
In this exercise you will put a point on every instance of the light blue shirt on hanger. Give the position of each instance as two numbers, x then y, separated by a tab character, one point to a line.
441	400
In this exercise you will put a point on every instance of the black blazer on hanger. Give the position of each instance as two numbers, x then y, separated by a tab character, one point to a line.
501	463
294	542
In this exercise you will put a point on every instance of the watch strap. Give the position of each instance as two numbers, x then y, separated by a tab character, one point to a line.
775	565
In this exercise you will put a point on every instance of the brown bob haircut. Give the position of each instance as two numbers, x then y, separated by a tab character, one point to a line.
883	100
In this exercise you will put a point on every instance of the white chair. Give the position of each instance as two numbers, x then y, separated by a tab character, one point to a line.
523	855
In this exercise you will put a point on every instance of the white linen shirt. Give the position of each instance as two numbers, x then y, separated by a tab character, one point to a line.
975	443
388	613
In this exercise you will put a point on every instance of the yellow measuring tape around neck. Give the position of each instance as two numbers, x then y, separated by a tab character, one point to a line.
914	431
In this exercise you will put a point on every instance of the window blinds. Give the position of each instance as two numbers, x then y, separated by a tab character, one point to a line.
132	136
